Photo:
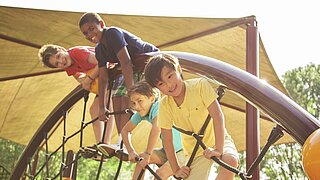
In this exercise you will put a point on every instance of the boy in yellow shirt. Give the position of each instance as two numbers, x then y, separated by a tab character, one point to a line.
186	105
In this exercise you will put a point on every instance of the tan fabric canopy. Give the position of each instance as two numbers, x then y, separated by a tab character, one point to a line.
29	91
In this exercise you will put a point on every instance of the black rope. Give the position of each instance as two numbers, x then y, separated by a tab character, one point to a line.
120	162
141	174
199	136
196	147
149	168
74	134
220	92
69	164
30	169
220	162
274	136
85	97
63	143
65	139
110	84
47	154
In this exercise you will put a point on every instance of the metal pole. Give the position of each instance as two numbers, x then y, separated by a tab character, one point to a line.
252	114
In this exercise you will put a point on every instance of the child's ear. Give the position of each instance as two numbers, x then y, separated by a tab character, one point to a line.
153	99
101	23
179	69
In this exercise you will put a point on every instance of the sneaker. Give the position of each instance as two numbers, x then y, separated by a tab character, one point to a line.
89	151
106	150
98	158
114	150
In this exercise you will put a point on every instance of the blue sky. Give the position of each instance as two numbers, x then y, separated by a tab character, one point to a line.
289	29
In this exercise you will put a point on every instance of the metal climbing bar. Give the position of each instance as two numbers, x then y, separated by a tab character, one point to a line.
110	84
140	159
85	97
242	175
63	142
274	136
47	154
220	91
29	167
120	163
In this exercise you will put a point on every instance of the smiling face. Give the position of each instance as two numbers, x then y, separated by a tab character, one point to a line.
60	60
141	103
92	31
171	83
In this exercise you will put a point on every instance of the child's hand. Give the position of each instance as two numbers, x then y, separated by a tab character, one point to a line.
102	115
132	156
209	152
145	161
86	83
183	172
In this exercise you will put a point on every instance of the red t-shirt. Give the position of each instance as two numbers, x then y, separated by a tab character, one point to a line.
79	56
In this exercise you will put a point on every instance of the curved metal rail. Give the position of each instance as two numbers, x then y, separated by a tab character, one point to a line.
268	99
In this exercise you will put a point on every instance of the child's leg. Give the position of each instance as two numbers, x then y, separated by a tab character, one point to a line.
200	168
224	173
230	156
121	103
110	123
165	171
137	171
97	125
154	159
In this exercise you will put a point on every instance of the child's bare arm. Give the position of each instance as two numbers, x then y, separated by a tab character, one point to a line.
126	66
95	72
83	80
218	124
152	140
153	136
102	88
170	153
125	133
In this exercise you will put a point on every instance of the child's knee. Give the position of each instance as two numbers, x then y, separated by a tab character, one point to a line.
231	160
94	111
162	173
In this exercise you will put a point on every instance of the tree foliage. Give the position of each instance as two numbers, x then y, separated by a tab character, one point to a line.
280	162
303	84
9	153
87	168
284	161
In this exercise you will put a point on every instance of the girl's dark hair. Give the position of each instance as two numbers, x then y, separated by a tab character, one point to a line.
155	64
143	88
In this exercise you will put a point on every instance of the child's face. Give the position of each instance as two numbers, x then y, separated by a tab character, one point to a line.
141	103
171	83
92	31
60	60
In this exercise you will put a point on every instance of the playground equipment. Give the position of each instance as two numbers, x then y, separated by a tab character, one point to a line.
289	116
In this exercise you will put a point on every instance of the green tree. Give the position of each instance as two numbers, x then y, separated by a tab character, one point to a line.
303	84
87	168
9	153
284	161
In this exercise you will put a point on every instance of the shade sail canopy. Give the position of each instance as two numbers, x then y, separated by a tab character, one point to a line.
30	92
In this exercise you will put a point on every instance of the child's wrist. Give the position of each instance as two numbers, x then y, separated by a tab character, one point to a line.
90	77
